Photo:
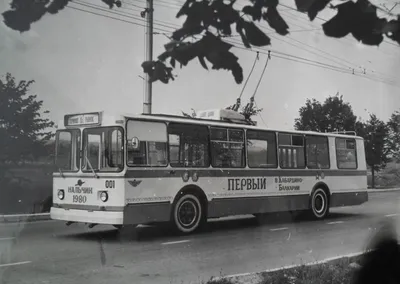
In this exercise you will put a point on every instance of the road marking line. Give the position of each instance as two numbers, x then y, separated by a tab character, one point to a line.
177	242
335	222
7	239
15	263
391	215
292	266
279	229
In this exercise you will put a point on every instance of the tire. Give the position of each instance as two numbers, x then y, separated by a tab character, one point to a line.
319	204
187	214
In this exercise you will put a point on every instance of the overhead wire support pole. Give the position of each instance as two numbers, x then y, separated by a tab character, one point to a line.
148	91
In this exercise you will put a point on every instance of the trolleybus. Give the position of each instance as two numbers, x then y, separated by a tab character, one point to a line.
140	169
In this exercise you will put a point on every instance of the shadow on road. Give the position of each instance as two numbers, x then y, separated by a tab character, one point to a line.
163	232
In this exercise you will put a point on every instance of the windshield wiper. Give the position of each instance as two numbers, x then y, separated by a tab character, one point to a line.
90	165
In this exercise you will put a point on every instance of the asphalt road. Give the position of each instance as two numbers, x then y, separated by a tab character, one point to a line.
50	252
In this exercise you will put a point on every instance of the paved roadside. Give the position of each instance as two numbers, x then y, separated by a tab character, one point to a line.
50	252
16	218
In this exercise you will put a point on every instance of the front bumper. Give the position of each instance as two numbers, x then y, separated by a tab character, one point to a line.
84	216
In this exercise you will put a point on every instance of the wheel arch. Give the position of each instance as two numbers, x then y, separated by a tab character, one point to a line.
324	187
195	190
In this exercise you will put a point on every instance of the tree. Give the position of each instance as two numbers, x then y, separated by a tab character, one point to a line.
378	147
333	115
23	130
394	134
208	22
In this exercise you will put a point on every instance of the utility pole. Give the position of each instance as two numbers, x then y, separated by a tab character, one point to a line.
147	102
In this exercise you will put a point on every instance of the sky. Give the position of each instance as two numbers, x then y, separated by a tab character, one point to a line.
84	62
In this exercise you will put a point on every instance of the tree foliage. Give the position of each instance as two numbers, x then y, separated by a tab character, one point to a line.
208	22
333	115
378	147
23	130
381	140
394	134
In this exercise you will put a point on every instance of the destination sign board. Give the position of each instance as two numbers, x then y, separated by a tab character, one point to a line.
82	119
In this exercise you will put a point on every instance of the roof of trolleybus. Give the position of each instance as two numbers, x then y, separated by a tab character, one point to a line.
112	119
211	122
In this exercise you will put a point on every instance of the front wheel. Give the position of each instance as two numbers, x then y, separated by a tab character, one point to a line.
319	204
187	213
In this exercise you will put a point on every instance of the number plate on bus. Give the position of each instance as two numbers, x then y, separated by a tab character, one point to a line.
79	198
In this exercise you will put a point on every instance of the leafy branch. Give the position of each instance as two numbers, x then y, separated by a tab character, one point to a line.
208	22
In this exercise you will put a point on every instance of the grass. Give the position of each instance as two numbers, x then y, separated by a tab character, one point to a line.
28	194
334	272
387	178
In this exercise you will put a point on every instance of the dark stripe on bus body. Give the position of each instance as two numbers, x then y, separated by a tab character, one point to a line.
144	213
220	207
158	173
338	199
239	206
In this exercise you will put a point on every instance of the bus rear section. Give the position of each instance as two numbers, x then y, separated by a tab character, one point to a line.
89	186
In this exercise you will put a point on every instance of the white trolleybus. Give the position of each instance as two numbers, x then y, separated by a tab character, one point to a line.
141	169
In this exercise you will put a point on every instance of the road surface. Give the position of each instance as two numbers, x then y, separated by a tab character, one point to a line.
50	252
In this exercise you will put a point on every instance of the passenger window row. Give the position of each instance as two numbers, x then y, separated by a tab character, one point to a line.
186	145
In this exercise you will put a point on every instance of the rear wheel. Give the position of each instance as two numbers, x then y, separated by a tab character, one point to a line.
188	213
319	204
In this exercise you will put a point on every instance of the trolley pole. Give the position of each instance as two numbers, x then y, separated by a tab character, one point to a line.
147	102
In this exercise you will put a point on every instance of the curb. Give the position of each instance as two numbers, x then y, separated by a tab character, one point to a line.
238	277
383	190
16	218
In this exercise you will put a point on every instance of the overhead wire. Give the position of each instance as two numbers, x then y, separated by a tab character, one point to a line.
350	65
124	14
319	65
110	17
160	3
325	20
282	54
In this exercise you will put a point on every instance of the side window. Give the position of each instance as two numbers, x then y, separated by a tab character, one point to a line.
317	151
346	153
291	151
151	143
261	149
227	148
188	145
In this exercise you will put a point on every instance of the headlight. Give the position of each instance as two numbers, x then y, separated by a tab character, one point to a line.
103	196
61	194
